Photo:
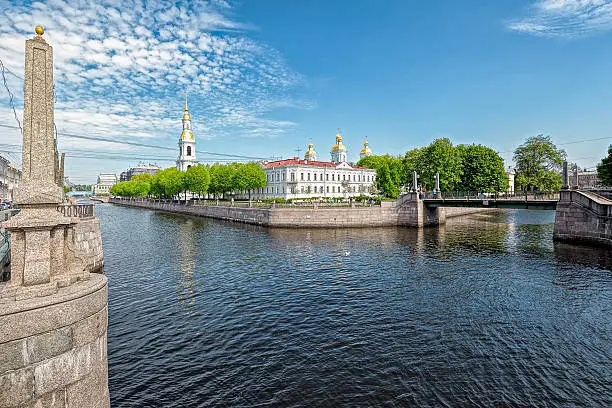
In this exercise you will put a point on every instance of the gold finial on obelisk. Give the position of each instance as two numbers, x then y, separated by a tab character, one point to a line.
39	30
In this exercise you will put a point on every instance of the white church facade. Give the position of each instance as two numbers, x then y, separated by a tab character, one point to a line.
186	143
297	178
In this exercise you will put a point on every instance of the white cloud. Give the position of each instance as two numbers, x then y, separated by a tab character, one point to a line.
121	68
565	18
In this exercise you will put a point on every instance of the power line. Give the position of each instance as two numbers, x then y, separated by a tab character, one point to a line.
109	140
11	97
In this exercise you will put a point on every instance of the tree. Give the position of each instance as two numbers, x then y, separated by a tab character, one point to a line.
221	179
390	173
168	182
443	158
197	179
604	169
482	169
142	177
248	177
538	164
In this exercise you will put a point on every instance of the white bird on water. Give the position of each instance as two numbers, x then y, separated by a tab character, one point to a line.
347	253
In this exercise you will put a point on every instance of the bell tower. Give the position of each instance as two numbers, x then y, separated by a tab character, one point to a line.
186	143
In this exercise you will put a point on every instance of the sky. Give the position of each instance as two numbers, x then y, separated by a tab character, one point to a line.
266	77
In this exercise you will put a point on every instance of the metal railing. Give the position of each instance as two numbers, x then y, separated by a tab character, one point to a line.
472	195
263	204
77	211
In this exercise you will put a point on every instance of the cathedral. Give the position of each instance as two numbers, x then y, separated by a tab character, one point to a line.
297	178
186	143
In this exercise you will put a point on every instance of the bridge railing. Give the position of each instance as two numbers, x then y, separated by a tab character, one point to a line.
78	211
473	195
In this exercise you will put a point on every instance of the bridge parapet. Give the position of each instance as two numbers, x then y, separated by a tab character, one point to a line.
583	217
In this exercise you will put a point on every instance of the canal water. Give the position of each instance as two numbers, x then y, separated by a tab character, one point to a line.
484	311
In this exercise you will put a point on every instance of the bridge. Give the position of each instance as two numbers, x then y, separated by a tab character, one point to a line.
525	201
580	216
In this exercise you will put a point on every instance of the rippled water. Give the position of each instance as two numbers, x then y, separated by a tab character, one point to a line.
484	311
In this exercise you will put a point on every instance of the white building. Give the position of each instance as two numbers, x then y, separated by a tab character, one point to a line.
105	182
141	168
308	178
10	176
186	143
511	174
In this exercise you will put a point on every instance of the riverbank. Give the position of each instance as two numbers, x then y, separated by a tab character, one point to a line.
402	212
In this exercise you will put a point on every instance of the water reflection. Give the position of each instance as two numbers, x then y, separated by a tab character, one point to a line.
483	311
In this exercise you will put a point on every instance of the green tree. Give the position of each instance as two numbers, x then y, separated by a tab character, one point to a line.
440	157
168	182
390	173
248	177
538	164
221	179
142	177
197	179
482	169
604	169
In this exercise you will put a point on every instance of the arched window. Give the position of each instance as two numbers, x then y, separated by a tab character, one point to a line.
188	150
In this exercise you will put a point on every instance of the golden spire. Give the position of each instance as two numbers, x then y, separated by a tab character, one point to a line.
39	30
186	99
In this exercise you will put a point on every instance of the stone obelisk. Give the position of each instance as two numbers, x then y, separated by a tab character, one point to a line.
53	312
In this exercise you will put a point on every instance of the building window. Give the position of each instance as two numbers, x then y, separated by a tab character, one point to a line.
284	176
333	189
327	178
344	177
308	176
368	179
302	189
292	176
353	177
333	177
188	150
315	177
301	176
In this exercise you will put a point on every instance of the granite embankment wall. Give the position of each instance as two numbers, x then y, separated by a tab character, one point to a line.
583	217
53	348
403	212
87	242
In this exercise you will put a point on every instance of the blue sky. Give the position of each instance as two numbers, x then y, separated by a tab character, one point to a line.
267	76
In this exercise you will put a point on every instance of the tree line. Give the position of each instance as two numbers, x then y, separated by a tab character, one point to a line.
217	180
472	167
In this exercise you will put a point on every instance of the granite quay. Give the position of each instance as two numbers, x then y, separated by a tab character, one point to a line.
53	311
407	211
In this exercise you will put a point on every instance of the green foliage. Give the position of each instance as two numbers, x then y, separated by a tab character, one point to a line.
66	189
132	188
197	179
441	157
248	176
142	177
482	169
604	169
390	173
538	163
168	182
221	178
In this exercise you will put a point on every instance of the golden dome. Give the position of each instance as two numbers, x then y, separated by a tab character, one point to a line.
39	30
186	135
339	147
365	149
186	116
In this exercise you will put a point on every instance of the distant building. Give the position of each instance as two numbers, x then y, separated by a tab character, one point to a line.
296	178
587	178
186	143
142	168
105	182
510	173
10	176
